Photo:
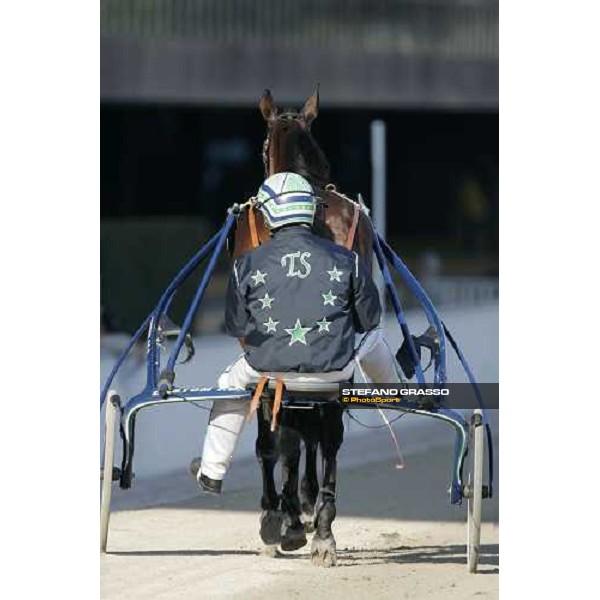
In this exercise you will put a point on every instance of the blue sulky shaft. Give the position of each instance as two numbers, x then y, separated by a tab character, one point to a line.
429	308
152	359
156	313
389	284
443	333
486	421
433	316
136	336
199	295
424	300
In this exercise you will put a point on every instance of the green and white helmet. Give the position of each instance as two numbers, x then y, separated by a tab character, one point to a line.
285	199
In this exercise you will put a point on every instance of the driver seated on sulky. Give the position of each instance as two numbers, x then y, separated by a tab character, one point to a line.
296	305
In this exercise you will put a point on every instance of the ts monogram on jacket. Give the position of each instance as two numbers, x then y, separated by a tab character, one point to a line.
298	302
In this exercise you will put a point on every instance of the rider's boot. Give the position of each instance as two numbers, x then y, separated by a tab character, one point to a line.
207	484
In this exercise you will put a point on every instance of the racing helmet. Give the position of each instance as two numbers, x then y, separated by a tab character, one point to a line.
286	199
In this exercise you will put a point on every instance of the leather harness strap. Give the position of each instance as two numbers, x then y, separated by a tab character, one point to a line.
352	231
277	403
252	225
260	386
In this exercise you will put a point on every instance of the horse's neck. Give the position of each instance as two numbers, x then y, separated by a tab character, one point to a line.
317	179
290	159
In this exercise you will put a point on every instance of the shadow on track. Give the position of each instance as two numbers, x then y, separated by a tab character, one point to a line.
184	553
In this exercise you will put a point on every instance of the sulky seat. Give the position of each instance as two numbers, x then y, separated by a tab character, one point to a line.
303	388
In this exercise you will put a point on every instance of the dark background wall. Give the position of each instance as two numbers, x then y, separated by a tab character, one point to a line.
169	160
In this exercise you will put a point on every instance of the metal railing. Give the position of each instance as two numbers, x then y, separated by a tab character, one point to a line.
442	28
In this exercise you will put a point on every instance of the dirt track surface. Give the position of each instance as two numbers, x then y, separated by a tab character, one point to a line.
397	537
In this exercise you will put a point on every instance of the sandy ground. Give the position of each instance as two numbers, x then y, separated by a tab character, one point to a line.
397	537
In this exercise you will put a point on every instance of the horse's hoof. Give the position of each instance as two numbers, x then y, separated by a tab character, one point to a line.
270	527
293	538
323	553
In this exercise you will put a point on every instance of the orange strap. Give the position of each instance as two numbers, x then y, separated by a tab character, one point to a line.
352	231
260	386
252	224
277	403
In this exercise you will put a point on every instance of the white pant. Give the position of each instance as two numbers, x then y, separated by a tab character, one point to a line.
373	358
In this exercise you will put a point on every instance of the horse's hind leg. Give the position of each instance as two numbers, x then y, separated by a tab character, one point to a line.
267	452
309	486
323	550
293	535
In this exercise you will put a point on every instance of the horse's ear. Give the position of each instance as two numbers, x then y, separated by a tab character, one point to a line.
310	110
267	105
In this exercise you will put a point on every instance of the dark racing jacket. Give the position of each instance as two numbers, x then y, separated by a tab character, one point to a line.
298	302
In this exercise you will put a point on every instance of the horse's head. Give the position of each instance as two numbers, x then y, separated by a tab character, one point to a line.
289	145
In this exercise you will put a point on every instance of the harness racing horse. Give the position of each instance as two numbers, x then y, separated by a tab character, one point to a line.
290	147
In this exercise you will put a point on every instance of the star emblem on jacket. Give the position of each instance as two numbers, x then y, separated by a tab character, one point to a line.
258	277
323	325
329	298
271	325
298	333
266	301
334	274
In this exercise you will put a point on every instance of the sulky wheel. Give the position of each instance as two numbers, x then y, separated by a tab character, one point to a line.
112	405
474	489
